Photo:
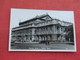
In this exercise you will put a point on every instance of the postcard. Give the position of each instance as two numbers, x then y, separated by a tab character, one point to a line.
42	30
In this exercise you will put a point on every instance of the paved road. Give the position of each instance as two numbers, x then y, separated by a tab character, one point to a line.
59	46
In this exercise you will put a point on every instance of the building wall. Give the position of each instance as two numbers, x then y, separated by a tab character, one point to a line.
38	30
37	34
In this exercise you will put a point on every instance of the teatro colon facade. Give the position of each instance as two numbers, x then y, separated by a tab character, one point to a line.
40	28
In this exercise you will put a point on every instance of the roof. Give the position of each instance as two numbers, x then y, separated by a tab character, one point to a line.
37	17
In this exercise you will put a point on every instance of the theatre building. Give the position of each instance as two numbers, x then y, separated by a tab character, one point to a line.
40	28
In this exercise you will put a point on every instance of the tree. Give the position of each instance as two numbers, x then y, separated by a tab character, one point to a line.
70	33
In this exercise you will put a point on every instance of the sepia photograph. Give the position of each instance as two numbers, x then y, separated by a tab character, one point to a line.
42	30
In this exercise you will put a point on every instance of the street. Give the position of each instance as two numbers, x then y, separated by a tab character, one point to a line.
52	46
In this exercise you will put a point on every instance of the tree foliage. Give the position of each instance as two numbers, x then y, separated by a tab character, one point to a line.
70	33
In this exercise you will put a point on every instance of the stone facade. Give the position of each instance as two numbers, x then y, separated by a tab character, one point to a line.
40	28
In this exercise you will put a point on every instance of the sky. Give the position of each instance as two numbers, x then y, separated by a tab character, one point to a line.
20	15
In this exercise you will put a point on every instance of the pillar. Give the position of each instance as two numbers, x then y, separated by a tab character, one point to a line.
33	32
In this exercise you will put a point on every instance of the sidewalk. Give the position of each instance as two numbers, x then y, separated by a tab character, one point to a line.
42	46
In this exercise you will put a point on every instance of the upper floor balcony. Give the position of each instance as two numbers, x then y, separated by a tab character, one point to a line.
23	27
45	23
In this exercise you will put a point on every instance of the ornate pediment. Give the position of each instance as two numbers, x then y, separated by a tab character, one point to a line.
47	17
42	18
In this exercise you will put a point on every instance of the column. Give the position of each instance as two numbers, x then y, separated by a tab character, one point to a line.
60	30
40	38
24	38
48	37
54	29
35	37
33	32
45	37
